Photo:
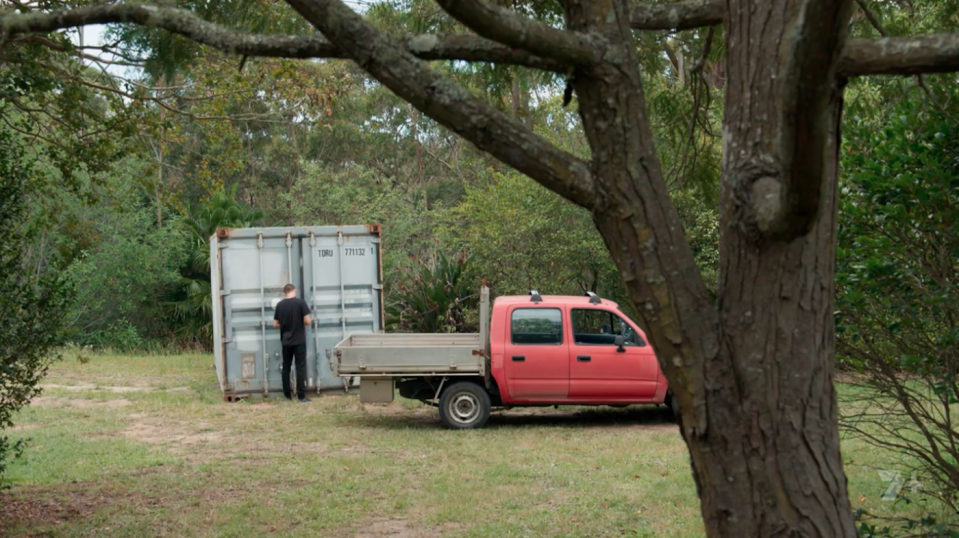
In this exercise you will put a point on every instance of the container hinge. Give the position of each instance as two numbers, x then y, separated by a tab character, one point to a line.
377	286
375	240
224	292
226	339
362	366
223	245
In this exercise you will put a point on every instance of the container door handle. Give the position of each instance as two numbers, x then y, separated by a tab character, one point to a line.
519	358
584	358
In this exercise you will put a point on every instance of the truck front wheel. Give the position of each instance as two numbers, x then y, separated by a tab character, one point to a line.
464	406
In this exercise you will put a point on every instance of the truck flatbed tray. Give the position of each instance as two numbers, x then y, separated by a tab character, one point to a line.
399	354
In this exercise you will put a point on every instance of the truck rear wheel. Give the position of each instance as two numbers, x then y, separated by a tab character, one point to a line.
464	406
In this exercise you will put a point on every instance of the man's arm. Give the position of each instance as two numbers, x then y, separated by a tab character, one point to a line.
276	324
307	321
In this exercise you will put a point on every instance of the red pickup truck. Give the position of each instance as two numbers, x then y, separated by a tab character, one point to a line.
534	350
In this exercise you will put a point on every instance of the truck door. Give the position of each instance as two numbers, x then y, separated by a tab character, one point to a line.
599	369
536	357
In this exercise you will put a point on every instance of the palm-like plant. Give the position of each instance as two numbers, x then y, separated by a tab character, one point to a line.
192	303
432	298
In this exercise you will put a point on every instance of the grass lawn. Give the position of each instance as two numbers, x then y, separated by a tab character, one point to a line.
145	446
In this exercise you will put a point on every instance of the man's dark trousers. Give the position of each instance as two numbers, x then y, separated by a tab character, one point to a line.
289	352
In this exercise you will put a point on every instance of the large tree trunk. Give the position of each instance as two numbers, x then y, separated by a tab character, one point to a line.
770	464
759	408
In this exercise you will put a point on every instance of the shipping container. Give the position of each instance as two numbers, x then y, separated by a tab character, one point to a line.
337	270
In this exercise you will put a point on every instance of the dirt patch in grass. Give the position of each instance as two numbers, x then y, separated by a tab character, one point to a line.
15	512
41	510
80	403
391	410
120	389
260	406
23	428
352	451
43	507
401	528
157	432
395	528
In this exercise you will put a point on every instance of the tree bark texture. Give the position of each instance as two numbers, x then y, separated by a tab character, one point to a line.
771	464
753	373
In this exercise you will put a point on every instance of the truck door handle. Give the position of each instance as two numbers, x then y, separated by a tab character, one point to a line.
584	358
519	358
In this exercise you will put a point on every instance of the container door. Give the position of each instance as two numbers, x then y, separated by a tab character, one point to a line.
254	267
343	287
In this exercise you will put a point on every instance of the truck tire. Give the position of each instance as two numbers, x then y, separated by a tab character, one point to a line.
464	406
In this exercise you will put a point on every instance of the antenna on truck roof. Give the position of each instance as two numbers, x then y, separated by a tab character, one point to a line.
536	297
593	298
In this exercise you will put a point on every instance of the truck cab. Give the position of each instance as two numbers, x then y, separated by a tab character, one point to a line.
550	350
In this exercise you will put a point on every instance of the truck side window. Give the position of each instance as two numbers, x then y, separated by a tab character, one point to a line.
537	326
600	327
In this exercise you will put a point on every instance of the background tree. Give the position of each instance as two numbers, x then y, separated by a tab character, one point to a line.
898	322
30	306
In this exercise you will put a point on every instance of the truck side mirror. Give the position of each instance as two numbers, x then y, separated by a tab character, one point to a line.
620	343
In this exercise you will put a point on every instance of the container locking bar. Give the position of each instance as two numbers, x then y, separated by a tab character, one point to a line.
315	318
266	356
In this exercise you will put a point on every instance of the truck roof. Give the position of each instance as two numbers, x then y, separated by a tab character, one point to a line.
552	300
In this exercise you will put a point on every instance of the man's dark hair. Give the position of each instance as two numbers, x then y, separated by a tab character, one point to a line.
288	288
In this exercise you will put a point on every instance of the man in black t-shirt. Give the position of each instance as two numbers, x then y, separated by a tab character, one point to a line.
292	317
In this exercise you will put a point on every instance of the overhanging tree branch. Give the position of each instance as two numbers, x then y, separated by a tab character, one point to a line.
677	15
448	103
937	53
179	21
471	48
510	28
889	56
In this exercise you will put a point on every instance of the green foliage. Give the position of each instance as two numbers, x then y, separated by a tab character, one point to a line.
701	224
898	285
522	236
51	97
166	54
122	281
31	307
433	298
328	195
925	527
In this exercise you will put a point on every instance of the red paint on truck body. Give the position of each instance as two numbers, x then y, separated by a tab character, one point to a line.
561	350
